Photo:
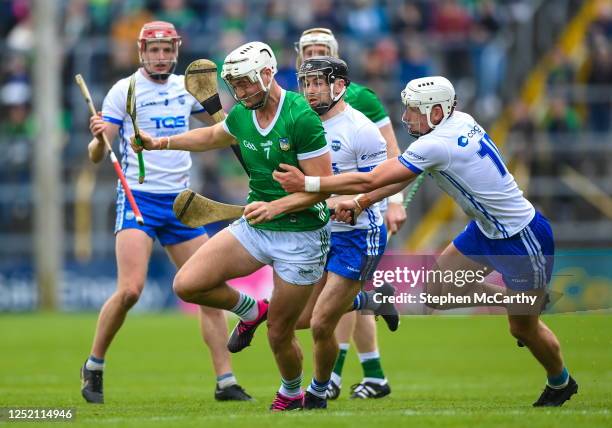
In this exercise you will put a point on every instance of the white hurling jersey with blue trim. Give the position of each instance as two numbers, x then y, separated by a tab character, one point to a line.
162	110
467	165
357	145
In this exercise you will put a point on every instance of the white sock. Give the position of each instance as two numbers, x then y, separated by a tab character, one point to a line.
94	363
246	308
225	380
369	356
291	388
336	379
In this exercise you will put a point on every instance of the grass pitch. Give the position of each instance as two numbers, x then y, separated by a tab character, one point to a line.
444	371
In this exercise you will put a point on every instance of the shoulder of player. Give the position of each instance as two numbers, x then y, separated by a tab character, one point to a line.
454	126
361	124
121	85
296	106
357	90
293	100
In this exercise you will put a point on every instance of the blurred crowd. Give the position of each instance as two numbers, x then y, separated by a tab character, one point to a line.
386	43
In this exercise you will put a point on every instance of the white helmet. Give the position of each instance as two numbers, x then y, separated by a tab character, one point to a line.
248	61
316	36
426	92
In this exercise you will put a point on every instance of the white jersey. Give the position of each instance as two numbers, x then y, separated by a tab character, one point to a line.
467	165
162	110
357	145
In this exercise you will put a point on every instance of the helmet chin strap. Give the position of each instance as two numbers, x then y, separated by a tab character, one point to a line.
322	109
159	77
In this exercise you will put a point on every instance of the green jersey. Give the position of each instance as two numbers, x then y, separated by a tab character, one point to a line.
366	101
296	133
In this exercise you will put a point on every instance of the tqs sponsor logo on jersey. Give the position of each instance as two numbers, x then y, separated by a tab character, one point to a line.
373	155
284	144
169	122
414	155
249	145
462	141
335	145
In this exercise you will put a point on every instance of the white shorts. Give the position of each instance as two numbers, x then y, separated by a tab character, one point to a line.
297	257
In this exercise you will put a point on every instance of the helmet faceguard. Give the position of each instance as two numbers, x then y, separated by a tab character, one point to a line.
249	60
425	93
158	31
329	69
316	36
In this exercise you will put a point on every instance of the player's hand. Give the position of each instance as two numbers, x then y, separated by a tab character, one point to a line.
291	178
97	126
346	212
259	212
148	142
395	217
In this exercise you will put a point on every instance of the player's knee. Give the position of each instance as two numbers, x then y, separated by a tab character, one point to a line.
181	287
129	296
278	335
434	290
522	330
321	328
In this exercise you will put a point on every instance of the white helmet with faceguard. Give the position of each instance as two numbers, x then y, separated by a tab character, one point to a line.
248	61
425	93
158	31
316	36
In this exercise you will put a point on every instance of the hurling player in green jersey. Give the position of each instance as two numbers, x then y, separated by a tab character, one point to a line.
288	232
321	42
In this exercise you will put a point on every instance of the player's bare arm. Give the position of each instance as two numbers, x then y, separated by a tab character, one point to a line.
97	126
347	208
258	212
389	172
196	140
389	136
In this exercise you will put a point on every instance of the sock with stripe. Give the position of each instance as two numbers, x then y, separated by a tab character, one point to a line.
336	375
560	381
291	387
226	379
246	308
318	388
94	363
365	300
372	368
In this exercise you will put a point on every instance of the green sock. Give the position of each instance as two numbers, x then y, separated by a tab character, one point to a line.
370	362
340	360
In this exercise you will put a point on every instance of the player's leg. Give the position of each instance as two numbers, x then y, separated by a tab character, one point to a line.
374	383
202	278
213	326
133	249
304	321
528	272
286	305
450	264
545	347
344	332
295	274
337	294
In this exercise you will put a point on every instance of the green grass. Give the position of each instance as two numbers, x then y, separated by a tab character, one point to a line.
444	371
